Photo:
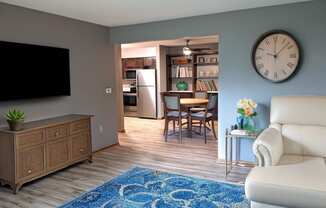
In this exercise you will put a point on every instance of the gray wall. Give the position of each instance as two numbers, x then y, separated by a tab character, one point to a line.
238	32
91	68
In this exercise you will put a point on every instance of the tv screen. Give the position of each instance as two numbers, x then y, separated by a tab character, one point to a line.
32	71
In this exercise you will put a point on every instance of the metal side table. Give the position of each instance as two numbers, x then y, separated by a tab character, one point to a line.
230	136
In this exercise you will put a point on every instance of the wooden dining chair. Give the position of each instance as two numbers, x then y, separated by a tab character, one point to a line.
207	115
201	95
172	112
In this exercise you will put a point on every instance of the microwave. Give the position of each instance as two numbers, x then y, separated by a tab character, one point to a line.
130	74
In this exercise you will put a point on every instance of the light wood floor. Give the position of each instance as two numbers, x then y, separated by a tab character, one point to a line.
141	145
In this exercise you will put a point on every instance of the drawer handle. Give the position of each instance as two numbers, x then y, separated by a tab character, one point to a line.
81	150
57	133
29	171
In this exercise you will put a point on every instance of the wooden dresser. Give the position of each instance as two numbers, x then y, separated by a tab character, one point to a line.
43	147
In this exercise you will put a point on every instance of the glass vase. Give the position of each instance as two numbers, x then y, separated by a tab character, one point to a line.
246	123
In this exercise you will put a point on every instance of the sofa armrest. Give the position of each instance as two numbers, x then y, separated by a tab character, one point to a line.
268	147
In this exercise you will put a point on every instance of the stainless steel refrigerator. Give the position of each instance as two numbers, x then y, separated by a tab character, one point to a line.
146	93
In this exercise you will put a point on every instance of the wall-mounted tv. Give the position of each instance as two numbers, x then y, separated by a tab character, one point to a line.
32	71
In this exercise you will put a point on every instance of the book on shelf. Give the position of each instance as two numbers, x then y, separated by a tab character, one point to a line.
206	85
181	71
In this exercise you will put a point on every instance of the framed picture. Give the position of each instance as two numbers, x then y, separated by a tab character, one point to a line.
201	60
213	60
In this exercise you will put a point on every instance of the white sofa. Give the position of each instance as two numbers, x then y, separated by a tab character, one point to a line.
291	156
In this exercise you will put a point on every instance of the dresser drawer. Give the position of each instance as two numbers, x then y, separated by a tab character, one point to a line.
56	132
79	126
30	162
80	145
29	139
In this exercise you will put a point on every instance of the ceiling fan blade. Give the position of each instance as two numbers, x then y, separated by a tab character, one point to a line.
202	49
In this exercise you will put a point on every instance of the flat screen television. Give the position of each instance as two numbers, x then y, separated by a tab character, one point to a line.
32	71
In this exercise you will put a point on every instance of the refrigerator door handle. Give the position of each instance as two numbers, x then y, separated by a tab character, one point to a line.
137	88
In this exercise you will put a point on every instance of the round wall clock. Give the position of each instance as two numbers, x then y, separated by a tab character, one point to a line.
276	56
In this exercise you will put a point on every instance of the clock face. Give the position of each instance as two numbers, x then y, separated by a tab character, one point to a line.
276	56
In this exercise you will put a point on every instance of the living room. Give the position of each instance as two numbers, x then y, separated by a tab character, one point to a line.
93	51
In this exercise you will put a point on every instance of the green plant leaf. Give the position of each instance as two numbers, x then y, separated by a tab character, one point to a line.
15	115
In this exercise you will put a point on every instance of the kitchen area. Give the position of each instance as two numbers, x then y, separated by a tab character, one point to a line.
149	68
139	85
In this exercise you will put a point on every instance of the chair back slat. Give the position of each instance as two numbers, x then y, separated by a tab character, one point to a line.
171	101
212	102
200	94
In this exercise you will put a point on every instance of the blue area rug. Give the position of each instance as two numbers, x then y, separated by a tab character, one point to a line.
142	187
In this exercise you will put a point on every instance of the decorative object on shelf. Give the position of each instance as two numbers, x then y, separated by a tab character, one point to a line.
15	119
276	56
213	60
182	85
246	113
207	59
201	60
181	60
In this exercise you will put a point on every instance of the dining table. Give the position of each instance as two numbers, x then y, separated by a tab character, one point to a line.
189	103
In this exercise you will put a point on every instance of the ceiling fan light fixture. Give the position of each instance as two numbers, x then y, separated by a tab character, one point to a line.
187	51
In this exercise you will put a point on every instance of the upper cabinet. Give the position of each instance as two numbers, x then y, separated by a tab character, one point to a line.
139	63
132	63
149	63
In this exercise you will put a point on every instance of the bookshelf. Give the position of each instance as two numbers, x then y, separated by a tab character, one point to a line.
199	71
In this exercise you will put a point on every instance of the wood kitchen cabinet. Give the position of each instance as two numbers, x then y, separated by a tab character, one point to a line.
43	147
139	63
133	63
149	63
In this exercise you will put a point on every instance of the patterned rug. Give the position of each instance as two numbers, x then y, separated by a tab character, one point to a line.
142	187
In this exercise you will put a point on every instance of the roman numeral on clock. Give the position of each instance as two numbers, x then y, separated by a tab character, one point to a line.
275	38
266	73
290	47
293	55
260	66
267	42
290	65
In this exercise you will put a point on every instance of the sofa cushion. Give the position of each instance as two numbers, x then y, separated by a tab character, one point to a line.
304	140
298	181
176	114
300	110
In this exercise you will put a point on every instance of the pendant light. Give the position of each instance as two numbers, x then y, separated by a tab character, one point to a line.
186	50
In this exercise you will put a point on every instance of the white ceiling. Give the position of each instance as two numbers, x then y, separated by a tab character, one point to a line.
126	12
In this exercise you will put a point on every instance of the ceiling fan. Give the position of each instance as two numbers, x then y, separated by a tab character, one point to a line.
187	51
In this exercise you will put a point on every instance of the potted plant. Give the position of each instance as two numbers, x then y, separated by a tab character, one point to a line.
246	113
15	119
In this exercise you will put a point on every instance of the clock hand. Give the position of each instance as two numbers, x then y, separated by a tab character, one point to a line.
274	56
270	54
282	49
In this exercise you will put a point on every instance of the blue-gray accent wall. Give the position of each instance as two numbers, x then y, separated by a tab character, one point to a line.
238	32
